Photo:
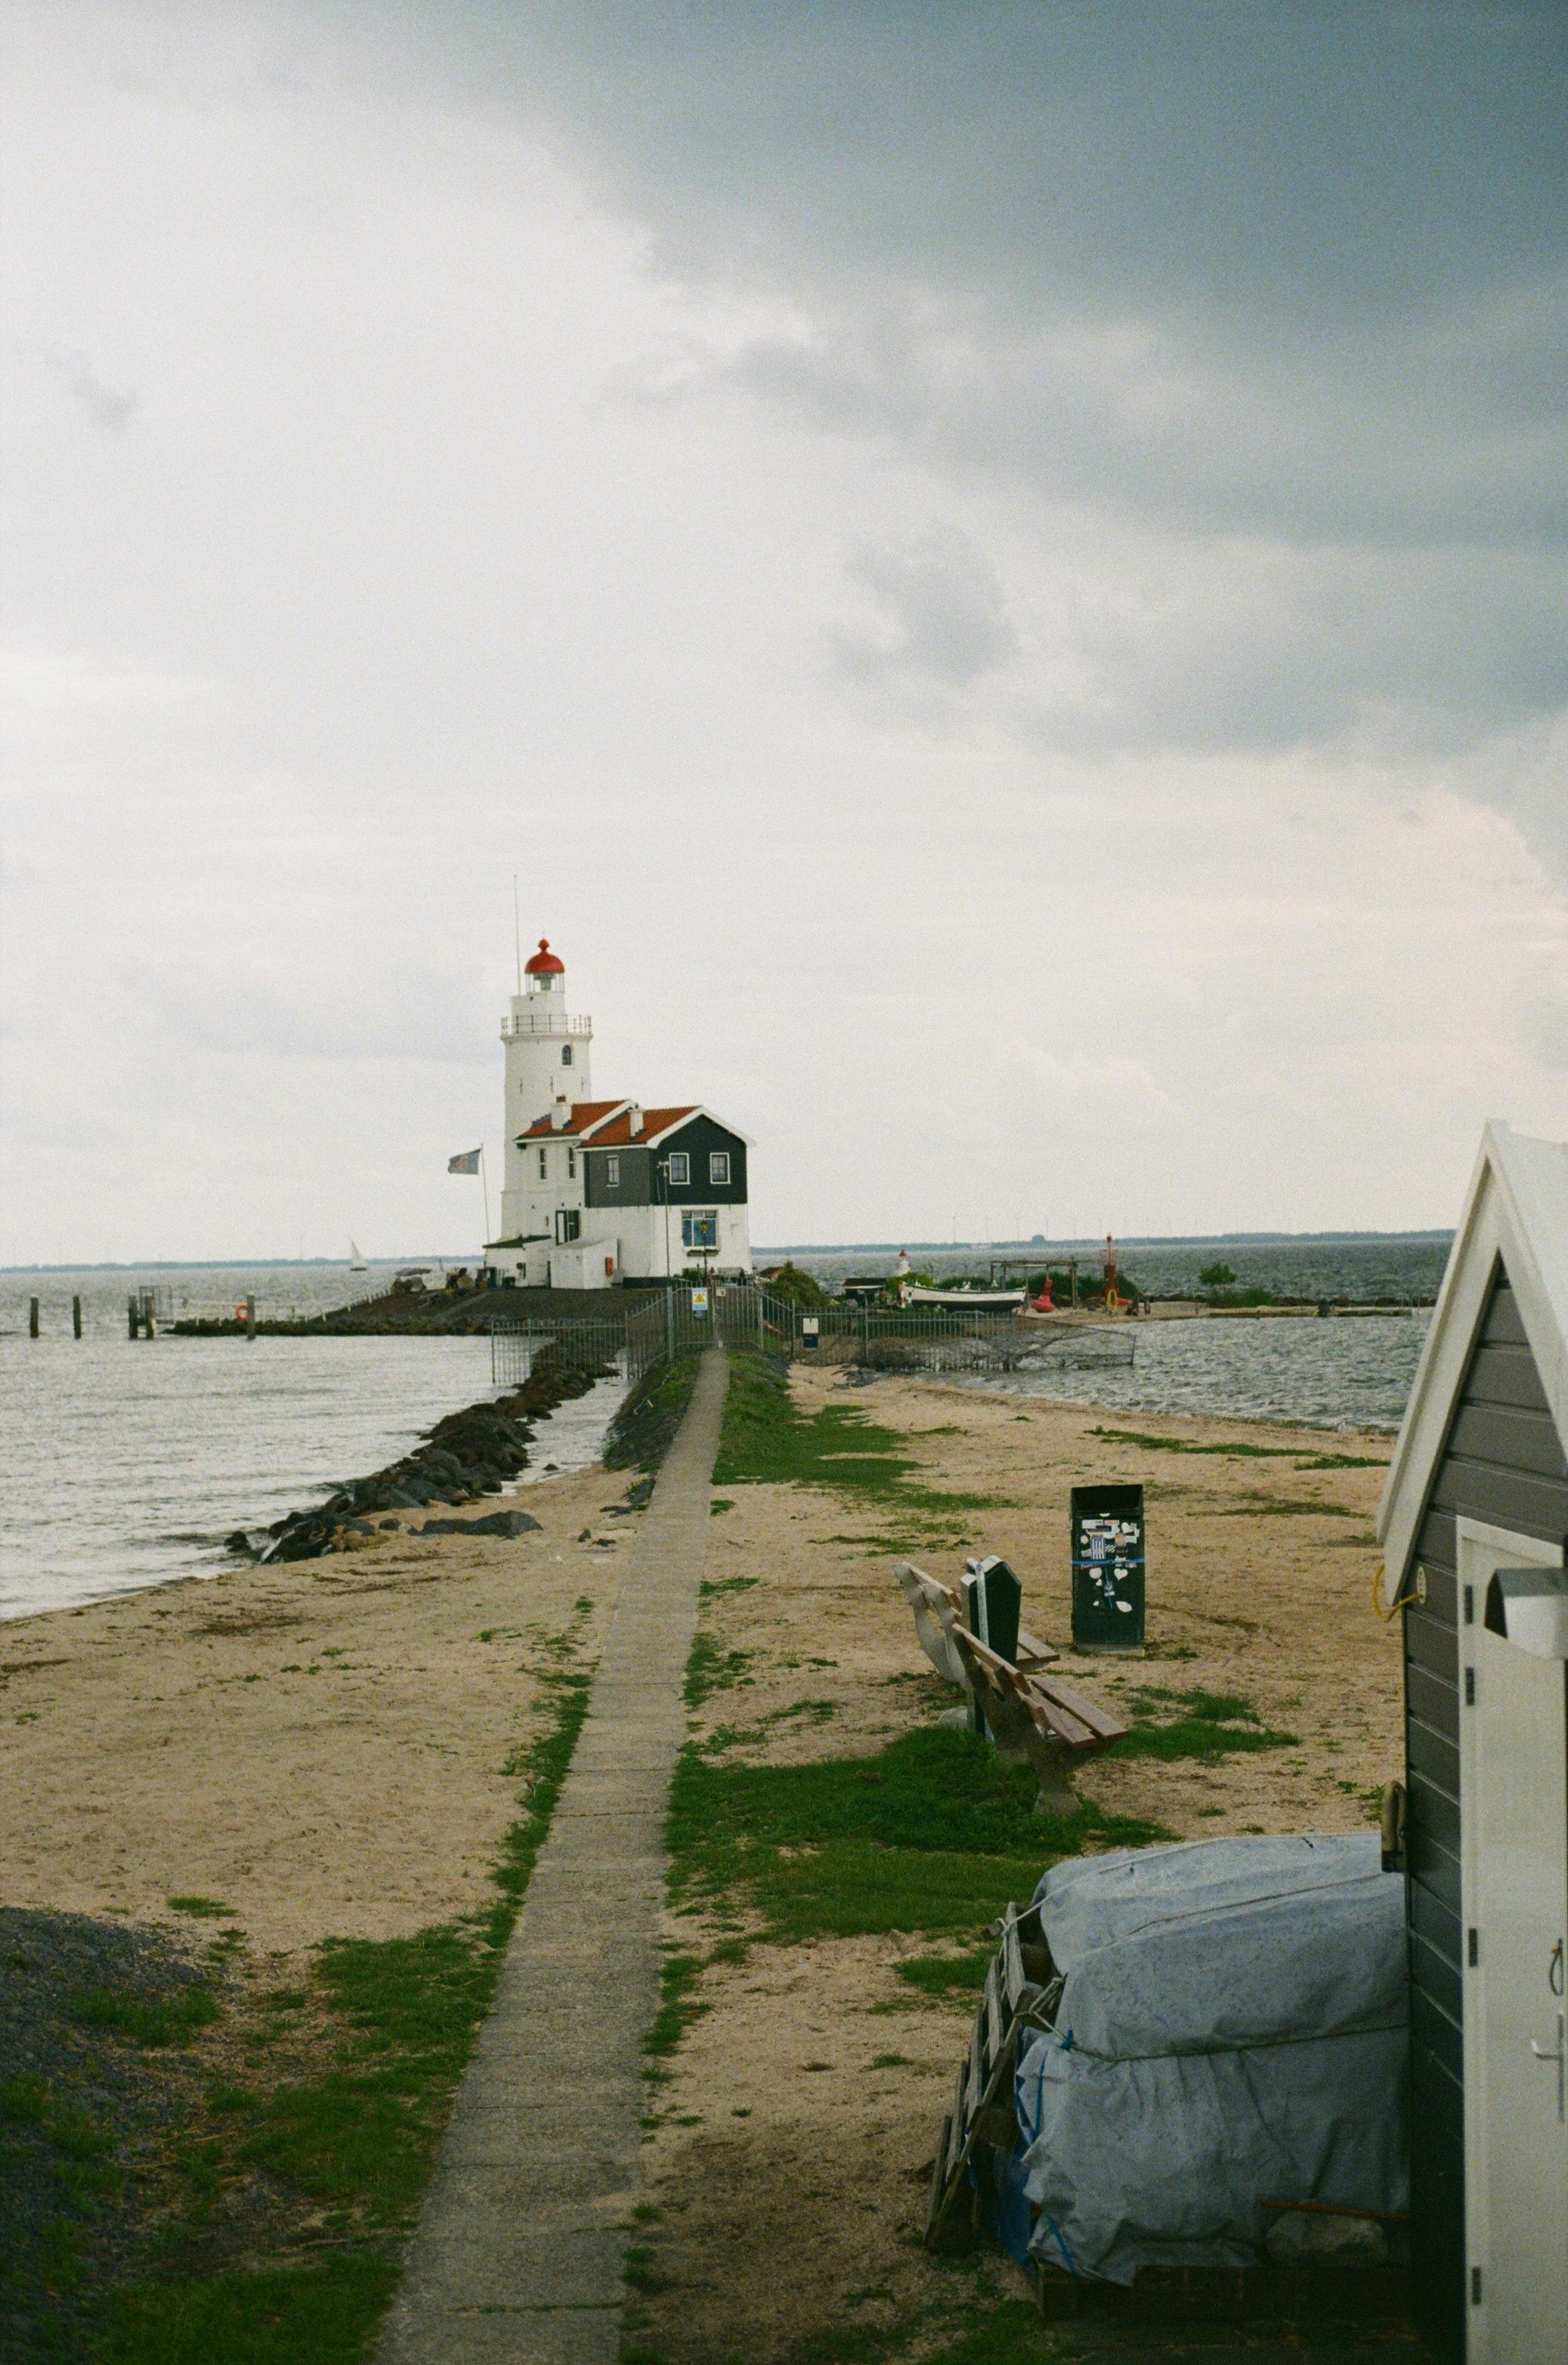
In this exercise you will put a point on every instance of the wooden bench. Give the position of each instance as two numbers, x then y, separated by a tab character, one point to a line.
1036	1717
938	1609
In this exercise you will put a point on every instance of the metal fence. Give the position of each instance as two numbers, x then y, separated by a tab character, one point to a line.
913	1338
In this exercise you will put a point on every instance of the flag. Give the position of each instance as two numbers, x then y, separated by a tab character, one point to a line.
466	1162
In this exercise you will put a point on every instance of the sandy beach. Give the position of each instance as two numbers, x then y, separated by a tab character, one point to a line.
318	1745
323	1748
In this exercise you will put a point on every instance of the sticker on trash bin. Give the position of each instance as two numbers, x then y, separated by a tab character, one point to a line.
1108	1566
1110	1550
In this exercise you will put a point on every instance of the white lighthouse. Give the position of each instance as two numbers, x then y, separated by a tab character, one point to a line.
546	1069
598	1192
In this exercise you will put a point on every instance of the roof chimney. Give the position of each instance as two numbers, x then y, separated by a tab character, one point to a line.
635	1118
561	1114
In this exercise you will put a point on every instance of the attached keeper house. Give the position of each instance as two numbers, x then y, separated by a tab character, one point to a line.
601	1190
1473	1523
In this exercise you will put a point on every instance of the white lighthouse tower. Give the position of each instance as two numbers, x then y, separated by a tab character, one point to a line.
547	1069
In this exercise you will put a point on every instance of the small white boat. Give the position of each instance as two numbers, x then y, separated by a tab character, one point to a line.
969	1301
358	1263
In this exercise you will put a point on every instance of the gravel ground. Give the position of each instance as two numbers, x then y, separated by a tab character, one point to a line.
88	2107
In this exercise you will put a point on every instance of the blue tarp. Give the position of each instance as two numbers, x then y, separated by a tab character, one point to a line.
1231	2029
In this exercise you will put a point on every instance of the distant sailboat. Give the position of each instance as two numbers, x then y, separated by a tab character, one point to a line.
358	1263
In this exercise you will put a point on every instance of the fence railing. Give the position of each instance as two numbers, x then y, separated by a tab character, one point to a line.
170	1306
915	1338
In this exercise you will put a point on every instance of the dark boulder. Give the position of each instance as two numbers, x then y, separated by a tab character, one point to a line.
495	1523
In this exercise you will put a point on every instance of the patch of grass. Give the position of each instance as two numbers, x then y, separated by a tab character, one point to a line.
644	1429
712	1668
204	1909
173	2020
935	1833
1240	1451
948	1974
680	2004
292	2316
1267	1507
1197	1724
1148	1444
712	1585
720	1502
767	1439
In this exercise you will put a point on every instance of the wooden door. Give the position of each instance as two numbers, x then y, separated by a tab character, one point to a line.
1513	1750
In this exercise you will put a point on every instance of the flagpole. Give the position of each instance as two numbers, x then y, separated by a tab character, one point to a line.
484	1186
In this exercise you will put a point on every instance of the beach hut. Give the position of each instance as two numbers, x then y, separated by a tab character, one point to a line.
1473	1523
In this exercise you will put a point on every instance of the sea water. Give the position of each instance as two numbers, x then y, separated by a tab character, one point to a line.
1348	1372
126	1465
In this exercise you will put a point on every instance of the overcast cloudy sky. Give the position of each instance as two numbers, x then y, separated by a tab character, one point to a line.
997	571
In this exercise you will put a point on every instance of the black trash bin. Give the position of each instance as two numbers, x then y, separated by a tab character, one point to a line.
992	1600
1107	1531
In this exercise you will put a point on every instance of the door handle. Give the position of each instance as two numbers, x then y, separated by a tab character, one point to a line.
1560	2057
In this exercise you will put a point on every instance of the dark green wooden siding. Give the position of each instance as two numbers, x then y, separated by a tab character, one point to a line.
640	1186
1502	1461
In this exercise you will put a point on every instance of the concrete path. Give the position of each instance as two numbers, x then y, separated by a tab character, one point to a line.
517	2259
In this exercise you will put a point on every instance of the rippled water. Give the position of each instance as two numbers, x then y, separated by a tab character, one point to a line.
1345	1372
128	1464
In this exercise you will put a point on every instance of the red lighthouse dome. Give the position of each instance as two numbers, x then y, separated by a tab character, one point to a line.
544	963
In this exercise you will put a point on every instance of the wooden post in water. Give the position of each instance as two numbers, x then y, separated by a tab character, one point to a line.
32	1318
250	1314
148	1319
77	1317
130	1316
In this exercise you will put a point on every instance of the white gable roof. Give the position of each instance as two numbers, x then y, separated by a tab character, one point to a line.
1517	1208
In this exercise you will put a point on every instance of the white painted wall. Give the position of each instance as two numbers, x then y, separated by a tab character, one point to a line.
537	1033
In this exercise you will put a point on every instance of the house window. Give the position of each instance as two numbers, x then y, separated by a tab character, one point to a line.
613	1173
565	1055
571	1165
569	1225
700	1227
543	1166
718	1166
679	1167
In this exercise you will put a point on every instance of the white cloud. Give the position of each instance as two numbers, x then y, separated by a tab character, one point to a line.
902	770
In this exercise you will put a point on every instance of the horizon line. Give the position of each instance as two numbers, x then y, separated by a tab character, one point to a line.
777	1248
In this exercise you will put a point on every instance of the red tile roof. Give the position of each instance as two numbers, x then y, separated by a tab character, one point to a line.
585	1115
610	1124
618	1134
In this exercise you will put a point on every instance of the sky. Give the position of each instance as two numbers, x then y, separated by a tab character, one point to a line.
995	571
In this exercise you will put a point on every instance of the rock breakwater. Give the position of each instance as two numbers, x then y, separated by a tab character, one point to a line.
470	1454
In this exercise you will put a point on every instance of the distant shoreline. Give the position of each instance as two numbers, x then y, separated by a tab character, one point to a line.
1094	1242
760	1253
